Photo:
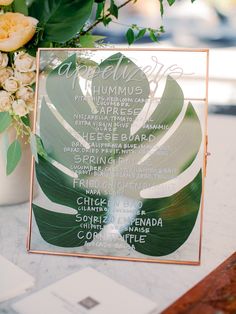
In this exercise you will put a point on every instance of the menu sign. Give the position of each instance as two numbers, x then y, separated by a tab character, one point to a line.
121	147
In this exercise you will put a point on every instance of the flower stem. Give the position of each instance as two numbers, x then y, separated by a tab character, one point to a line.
91	27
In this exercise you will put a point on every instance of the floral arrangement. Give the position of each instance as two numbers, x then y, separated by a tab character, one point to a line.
26	25
17	79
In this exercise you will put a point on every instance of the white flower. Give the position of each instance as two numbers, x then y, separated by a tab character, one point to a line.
11	85
26	78
26	93
3	60
25	62
19	107
5	73
5	101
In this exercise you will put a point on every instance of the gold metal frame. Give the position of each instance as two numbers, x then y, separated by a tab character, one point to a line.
205	156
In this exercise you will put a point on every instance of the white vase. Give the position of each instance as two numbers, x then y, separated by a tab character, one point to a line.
15	188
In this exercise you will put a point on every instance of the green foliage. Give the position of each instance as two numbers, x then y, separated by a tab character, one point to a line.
136	33
106	21
140	34
113	9
13	156
20	6
5	121
153	36
40	148
61	20
170	2
26	120
130	36
89	41
100	10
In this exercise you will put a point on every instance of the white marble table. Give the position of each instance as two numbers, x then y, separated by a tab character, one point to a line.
159	282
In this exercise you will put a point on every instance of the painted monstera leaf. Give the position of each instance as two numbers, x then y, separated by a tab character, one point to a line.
116	149
178	212
61	229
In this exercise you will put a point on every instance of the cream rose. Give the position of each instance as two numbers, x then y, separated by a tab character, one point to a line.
3	60
11	85
15	30
26	78
19	107
5	73
6	2
24	62
5	101
26	93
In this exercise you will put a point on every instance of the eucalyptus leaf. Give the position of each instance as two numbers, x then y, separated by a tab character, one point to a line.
61	19
5	121
13	156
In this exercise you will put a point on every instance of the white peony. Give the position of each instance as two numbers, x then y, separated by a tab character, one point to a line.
19	107
11	85
5	73
5	101
26	93
24	62
26	78
3	60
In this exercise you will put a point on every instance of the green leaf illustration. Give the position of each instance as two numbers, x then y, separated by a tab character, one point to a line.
51	13
64	91
170	221
13	156
130	137
60	92
179	151
57	228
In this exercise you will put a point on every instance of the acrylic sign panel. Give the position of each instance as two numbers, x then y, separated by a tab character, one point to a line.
121	154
